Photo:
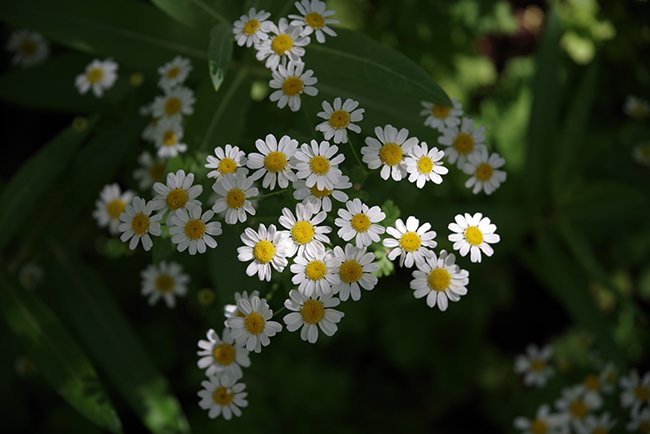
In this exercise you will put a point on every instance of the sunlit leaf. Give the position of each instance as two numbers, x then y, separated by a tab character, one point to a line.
219	53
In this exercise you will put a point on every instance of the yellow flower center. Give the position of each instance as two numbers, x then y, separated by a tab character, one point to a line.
222	396
227	165
165	283
314	20
316	192
281	44
157	171
484	172
177	198
425	165
170	138
464	143
254	323
440	111
360	222
140	223
391	154
264	251
172	106
223	354
28	47
473	236
315	270
194	229
592	383
95	75
302	232
350	271
410	241
644	427
275	161
312	311
235	198
578	409
538	426
292	86
439	279
319	165
339	119
251	26
642	393
537	365
115	207
173	72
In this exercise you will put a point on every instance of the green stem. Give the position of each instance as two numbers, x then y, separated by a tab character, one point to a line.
359	162
273	193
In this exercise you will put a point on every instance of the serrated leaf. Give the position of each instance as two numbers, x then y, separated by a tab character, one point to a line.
219	53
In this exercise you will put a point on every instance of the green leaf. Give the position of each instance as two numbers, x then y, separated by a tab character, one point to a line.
58	358
219	53
201	14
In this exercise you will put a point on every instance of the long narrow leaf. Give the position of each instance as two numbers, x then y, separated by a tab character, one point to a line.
201	14
220	53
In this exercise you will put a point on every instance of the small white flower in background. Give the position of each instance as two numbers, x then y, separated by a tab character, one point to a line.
252	28
222	356
98	77
602	424
265	248
314	18
254	328
30	275
441	116
174	72
641	153
168	136
177	193
29	48
354	269
575	405
640	421
273	161
460	142
425	165
596	385
360	222
303	233
484	170
473	234
636	108
320	198
535	365
339	118
192	230
165	281
310	313
110	205
389	151
230	310
411	242
226	161
545	422
284	43
291	82
151	170
222	396
635	392
137	224
440	280
235	192
318	164
312	273
175	103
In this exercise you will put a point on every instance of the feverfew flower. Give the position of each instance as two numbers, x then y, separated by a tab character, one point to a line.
222	356
193	231
29	48
602	424
110	205
314	18
266	249
473	234
635	391
575	405
636	108
235	193
177	193
273	161
461	142
339	119
230	310
168	136
597	384
137	224
411	242
291	82
544	423
309	313
284	43
484	171
354	269
320	198
303	232
440	280
226	161
441	116
254	328
535	366
640	422
424	165
98	77
360	222
221	396
253	28
174	72
176	102
151	170
166	281
388	152
312	273
318	164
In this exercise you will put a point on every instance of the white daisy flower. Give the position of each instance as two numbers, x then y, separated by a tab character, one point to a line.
266	249
30	275
175	103
309	313
221	396
318	164
312	273
168	137
636	108
253	28
235	193
151	170
226	161
640	422
535	365
255	327
137	223
545	422
411	242
473	234
354	269
284	43
460	142
314	18
360	222
29	48
273	162
166	280
635	391
110	205
575	406
424	165
484	170
291	82
602	424
441	116
389	151
177	193
320	198
597	384
303	232
98	77
174	72
339	118
192	231
222	356
440	280
230	310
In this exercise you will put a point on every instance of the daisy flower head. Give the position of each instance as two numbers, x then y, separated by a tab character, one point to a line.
29	48
441	116
230	310
388	151
174	72
424	165
484	170
137	223
235	192
640	422
635	391
192	230
265	248
222	356
320	198
312	273
544	422
175	103
314	18
284	43
226	161
272	162
303	233
339	118
636	108
596	384
254	328
222	396
535	365
252	28
310	313
177	193
354	269
166	281
602	424
440	280
168	136
151	170
111	203
461	141
98	77
411	241
576	406
291	82
360	222
318	164
473	234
